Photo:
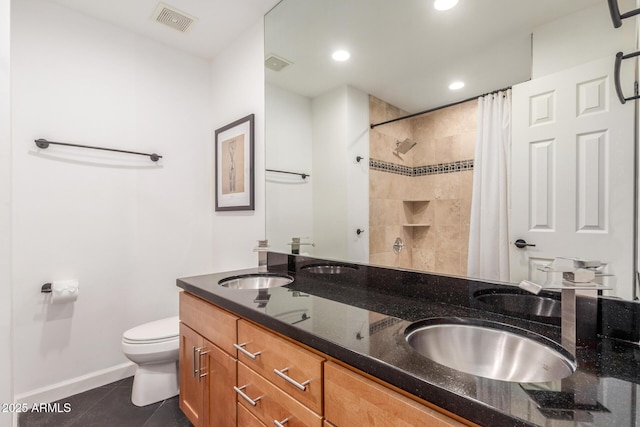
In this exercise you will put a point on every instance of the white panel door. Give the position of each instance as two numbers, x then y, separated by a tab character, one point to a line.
572	189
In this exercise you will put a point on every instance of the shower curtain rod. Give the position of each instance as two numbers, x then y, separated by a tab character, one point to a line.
373	125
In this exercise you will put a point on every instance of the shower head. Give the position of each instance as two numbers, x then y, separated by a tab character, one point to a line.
402	147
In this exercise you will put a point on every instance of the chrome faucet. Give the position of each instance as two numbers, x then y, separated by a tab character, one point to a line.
262	249
568	321
574	275
295	244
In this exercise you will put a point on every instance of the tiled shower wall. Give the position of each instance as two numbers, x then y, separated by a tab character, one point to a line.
423	196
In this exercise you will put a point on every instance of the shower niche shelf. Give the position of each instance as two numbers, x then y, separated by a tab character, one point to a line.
416	213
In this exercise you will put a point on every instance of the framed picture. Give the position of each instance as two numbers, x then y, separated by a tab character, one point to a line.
234	175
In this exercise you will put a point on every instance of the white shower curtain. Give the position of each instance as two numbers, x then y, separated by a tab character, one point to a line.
489	225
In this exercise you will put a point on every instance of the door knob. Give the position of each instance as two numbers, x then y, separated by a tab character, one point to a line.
521	243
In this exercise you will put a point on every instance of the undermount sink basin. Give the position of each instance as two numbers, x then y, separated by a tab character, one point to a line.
490	350
328	269
256	281
515	302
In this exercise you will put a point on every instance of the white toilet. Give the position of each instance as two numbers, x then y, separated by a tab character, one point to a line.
154	346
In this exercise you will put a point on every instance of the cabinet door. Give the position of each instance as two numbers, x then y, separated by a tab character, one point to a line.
191	390
352	400
220	373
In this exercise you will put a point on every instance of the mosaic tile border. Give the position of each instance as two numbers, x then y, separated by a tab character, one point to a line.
440	168
382	324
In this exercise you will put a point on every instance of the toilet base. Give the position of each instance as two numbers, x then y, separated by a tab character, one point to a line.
156	382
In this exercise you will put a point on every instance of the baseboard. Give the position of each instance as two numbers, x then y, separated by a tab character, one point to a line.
77	385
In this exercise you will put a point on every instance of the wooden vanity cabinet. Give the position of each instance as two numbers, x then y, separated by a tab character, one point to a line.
207	372
351	400
309	391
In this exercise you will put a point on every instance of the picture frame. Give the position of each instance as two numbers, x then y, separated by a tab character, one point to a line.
234	166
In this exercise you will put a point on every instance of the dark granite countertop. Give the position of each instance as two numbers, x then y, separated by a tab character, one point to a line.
359	316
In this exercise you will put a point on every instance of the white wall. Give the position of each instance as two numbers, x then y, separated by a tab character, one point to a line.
124	227
289	203
357	174
329	113
322	137
6	375
340	185
592	36
238	90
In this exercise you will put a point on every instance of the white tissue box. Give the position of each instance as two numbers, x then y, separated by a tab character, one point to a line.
586	263
580	275
569	264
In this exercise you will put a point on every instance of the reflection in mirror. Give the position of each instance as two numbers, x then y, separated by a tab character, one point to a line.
566	182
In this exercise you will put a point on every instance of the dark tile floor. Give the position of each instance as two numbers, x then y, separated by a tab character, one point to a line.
108	406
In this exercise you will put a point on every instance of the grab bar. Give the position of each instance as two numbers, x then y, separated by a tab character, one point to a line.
43	143
616	76
616	16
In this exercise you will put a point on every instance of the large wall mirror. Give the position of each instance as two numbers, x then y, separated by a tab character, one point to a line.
413	193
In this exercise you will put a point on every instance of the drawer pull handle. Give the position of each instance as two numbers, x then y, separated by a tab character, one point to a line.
290	380
281	423
193	361
200	354
252	402
240	347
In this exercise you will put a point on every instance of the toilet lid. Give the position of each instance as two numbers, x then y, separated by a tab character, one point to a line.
158	330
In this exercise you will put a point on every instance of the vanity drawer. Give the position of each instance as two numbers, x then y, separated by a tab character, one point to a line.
246	418
213	323
271	403
352	400
294	364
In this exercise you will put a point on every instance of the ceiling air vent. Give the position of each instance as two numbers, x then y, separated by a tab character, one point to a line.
172	17
275	63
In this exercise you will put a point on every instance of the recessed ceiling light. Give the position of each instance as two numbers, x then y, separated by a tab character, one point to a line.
444	4
341	55
456	85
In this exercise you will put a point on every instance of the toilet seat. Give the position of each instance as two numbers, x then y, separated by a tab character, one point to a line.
145	342
157	350
159	331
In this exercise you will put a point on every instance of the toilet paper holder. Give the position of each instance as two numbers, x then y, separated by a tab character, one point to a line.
61	291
